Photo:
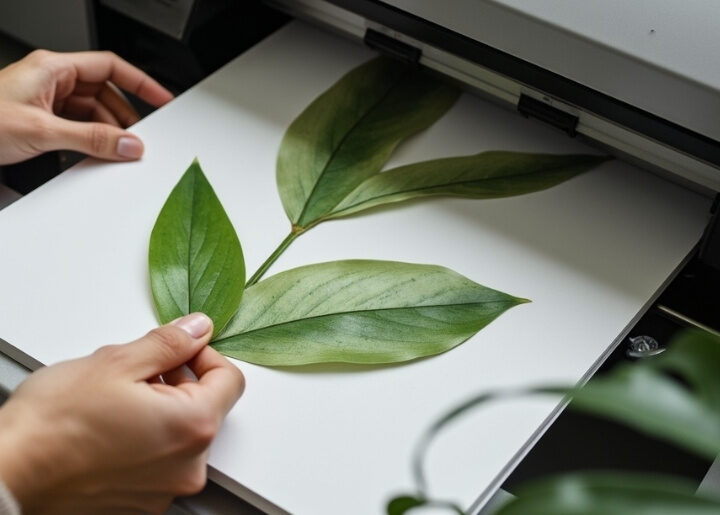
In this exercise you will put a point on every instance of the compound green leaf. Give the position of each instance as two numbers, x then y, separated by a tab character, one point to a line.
348	133
196	262
358	311
482	176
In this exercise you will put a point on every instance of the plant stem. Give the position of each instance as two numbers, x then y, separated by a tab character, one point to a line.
294	233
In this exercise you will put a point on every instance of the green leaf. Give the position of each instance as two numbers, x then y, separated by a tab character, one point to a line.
196	262
609	493
482	176
641	395
695	356
358	312
348	133
403	504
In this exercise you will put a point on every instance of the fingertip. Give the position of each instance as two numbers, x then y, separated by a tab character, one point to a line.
130	147
196	325
164	97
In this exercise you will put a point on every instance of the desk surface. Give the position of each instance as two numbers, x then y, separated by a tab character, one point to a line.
589	253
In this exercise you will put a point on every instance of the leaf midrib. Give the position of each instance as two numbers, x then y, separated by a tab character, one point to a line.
457	183
315	317
340	144
190	242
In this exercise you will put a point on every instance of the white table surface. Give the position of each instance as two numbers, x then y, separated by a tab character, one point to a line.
338	439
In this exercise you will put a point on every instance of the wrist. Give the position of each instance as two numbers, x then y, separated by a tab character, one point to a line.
29	458
14	467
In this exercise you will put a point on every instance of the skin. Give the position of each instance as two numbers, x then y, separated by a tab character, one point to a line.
103	434
56	101
126	429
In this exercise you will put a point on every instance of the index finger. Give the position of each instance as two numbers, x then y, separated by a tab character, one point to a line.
219	382
106	66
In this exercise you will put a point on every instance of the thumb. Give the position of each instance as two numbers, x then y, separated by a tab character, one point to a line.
166	347
96	139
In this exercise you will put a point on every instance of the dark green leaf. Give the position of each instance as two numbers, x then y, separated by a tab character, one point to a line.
695	356
405	503
358	312
481	176
609	493
402	504
640	395
348	133
196	262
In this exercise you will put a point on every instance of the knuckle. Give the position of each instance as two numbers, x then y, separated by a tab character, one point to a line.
98	138
39	132
109	54
203	430
239	379
169	341
194	480
40	55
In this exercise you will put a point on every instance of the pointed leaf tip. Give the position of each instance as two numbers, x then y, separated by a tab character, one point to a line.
358	311
488	175
196	261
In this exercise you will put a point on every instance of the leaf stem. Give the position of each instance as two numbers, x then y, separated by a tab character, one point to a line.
294	233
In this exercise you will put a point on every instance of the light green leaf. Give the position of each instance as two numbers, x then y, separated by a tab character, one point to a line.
358	312
482	176
614	493
196	262
642	396
348	133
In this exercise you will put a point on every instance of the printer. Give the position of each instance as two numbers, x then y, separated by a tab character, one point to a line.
638	80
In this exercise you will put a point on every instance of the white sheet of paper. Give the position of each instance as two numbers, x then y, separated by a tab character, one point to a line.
338	439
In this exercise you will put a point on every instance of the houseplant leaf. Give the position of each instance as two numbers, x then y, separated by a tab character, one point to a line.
403	504
348	133
601	493
643	396
481	176
358	311
640	394
196	262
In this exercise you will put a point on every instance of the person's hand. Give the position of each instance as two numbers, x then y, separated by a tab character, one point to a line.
55	101
104	434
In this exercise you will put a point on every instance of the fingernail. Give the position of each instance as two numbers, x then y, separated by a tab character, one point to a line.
129	147
195	324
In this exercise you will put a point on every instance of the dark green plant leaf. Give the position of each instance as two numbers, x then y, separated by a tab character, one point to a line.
641	395
481	176
348	133
196	262
695	356
358	312
403	504
613	493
